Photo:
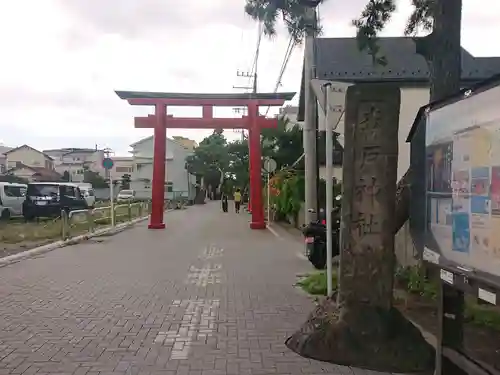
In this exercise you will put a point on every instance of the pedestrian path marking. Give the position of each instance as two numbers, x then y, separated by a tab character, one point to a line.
197	324
207	274
211	251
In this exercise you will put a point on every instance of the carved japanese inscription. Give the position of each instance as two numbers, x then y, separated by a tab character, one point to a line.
369	178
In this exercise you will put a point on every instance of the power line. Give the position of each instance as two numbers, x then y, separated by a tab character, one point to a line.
284	64
255	66
253	74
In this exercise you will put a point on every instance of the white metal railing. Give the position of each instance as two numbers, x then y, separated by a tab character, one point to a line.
89	219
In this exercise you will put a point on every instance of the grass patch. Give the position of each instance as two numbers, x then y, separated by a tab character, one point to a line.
316	283
482	315
411	280
16	231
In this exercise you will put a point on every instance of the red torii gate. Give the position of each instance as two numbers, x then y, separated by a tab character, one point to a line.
160	121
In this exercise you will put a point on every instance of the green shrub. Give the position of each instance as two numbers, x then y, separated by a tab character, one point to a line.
316	283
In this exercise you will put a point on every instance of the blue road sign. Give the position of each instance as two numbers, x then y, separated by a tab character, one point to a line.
107	163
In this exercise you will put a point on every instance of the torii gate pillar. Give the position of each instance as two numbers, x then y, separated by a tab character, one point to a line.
160	153
255	168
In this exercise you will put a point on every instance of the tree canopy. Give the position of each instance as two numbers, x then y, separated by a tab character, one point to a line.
215	155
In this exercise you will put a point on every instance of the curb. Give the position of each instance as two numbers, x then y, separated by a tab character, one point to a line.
71	241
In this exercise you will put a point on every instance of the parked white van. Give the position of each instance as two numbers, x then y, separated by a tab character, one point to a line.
12	196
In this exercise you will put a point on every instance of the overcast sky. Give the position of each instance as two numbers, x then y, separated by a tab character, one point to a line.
62	59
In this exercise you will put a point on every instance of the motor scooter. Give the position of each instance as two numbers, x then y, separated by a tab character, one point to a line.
315	236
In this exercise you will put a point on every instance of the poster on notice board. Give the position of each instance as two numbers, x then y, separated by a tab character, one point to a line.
463	181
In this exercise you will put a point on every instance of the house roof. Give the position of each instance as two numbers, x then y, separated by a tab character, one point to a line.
4	149
339	59
39	171
31	148
72	149
179	95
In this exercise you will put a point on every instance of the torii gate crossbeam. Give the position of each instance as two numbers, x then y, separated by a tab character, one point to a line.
160	121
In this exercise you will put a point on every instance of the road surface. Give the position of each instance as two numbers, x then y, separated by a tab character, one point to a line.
206	296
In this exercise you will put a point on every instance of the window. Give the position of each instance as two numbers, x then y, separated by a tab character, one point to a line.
42	190
14	191
70	191
91	192
169	187
123	169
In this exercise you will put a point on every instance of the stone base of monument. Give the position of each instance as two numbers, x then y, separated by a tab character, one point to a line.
363	337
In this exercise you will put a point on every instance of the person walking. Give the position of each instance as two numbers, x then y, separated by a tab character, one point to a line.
224	202
237	201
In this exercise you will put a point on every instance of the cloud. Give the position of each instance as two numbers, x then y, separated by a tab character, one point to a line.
62	60
133	19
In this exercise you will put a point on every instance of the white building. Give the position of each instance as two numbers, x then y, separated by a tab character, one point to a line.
3	158
178	182
291	114
75	160
122	165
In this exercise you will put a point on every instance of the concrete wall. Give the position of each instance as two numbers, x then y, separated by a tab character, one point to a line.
403	247
412	98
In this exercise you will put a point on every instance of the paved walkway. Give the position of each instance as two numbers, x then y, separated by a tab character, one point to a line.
207	296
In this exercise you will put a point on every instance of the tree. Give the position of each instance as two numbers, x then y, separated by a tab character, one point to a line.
95	179
284	143
441	49
126	182
293	12
66	176
215	157
238	168
210	160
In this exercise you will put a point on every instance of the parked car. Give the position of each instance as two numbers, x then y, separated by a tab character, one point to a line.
48	199
12	196
125	196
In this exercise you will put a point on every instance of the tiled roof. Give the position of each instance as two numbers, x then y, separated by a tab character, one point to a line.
39	171
339	59
34	149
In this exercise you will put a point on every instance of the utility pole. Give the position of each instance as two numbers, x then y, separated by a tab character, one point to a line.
309	133
252	76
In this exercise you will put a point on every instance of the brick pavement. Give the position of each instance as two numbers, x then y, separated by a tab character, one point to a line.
207	296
